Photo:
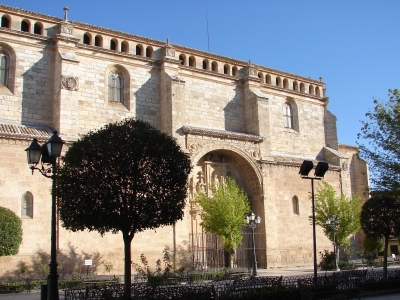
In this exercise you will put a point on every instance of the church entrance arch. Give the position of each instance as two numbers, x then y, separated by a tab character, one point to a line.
212	167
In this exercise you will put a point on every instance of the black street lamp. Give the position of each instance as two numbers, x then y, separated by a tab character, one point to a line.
333	221
320	171
49	154
252	222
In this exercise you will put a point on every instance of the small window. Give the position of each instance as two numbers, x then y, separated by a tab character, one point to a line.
115	87
139	50
295	86
287	116
295	204
214	66
113	44
149	52
260	75
37	29
125	47
268	79
27	205
192	61
86	39
5	21
302	87
285	83
182	58
98	41
278	81
317	91
227	69
234	71
25	25
4	69
205	64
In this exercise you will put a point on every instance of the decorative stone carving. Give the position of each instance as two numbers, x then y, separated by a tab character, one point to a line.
69	83
201	185
254	153
169	51
67	28
195	148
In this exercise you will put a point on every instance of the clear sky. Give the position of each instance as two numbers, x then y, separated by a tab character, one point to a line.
352	44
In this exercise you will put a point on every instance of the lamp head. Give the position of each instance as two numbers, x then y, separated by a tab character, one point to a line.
54	145
33	152
321	169
306	167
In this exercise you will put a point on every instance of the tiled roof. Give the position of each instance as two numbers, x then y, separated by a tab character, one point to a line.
24	132
223	134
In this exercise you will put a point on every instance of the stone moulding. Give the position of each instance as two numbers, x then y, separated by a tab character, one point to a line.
224	134
24	132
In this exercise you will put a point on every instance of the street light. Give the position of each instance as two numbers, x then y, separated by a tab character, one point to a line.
49	154
320	171
252	222
333	221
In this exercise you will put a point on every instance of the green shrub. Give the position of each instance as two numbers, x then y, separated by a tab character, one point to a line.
10	232
327	260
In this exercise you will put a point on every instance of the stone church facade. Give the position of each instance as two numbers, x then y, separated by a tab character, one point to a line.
233	118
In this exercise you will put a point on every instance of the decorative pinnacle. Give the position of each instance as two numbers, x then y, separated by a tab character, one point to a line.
320	78
168	41
66	9
249	62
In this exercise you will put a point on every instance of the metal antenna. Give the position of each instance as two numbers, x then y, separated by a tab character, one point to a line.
208	35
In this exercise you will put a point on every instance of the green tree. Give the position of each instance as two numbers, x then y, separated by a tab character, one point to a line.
347	209
223	214
374	245
380	217
10	232
126	177
379	143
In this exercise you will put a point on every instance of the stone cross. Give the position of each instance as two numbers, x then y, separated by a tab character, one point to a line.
66	9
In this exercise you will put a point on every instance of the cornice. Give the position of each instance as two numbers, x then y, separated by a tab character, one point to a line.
281	89
224	134
25	34
295	162
20	11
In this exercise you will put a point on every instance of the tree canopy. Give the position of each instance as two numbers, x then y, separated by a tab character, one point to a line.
10	232
380	217
379	143
327	202
223	213
127	177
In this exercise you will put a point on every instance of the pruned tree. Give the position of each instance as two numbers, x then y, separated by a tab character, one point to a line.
223	214
327	202
379	143
126	177
10	232
380	217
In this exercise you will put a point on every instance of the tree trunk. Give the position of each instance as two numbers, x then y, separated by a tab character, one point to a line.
385	257
232	255
128	264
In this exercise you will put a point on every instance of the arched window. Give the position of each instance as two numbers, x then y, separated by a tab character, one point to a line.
302	87
5	21
311	89
206	64
98	41
287	116
124	47
278	81
27	205
115	87
86	39
182	58
192	61
260	75
38	28
4	68
25	25
214	66
234	71
227	69
295	204
113	44
268	79
285	83
149	51
139	50
317	91
295	86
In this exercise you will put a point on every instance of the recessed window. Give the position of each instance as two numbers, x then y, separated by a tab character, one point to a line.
139	50
311	89
206	64
192	61
38	28
278	81
115	87
214	66
287	115
285	83
227	69
149	51
5	21
27	205
125	47
295	204
302	87
317	91
113	44
295	86
4	68
98	41
235	71
25	25
86	39
260	75
268	79
182	58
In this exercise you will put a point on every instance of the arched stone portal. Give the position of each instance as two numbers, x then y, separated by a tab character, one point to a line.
213	166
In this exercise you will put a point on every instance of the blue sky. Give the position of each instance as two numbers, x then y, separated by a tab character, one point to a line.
352	44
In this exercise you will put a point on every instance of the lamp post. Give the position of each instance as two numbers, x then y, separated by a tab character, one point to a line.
48	154
252	222
333	221
320	171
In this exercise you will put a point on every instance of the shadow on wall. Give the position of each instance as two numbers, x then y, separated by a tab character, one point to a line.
69	263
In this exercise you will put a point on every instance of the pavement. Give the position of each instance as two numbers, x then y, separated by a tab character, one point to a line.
261	272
